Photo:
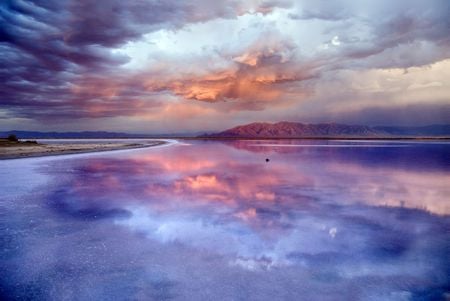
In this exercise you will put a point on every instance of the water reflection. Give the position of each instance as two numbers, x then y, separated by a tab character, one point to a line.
202	220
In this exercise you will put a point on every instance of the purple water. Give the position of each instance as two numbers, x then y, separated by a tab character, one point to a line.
212	220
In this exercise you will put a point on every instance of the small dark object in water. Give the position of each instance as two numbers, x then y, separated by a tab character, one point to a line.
267	160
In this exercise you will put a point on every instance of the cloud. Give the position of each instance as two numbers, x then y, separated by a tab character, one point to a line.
260	74
372	32
322	10
65	60
58	59
422	114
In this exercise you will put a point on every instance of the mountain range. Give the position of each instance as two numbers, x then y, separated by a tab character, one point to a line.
300	130
282	129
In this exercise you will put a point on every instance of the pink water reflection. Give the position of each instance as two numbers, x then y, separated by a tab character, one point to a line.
369	217
240	179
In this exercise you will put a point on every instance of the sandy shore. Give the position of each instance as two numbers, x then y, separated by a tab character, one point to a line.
38	150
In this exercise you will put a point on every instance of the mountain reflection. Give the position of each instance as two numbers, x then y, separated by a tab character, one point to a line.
295	178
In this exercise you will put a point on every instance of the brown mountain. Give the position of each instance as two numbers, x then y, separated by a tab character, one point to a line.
295	130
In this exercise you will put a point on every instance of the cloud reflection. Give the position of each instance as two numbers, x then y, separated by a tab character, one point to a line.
329	218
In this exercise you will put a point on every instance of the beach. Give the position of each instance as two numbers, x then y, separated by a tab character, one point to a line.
26	150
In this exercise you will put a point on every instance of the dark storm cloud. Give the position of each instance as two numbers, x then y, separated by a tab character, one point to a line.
48	46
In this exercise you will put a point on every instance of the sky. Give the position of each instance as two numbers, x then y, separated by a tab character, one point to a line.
149	66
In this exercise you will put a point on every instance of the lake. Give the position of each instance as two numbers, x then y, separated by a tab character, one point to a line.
212	220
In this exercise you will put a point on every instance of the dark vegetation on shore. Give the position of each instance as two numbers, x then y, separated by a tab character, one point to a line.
12	140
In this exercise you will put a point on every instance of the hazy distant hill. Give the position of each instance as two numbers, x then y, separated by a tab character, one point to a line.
295	130
429	130
67	135
87	134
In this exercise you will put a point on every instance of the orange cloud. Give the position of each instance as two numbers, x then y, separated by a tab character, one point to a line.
266	72
248	83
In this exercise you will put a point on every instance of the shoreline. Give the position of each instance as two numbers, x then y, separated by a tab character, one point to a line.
356	138
444	138
44	150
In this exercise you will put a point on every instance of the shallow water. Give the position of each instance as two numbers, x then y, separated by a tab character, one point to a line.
211	220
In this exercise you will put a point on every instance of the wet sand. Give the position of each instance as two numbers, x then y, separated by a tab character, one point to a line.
23	150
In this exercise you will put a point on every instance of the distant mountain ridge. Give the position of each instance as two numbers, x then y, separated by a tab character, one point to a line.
281	129
85	135
429	130
286	129
66	135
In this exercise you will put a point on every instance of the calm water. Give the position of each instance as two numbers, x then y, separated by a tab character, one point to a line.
199	220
